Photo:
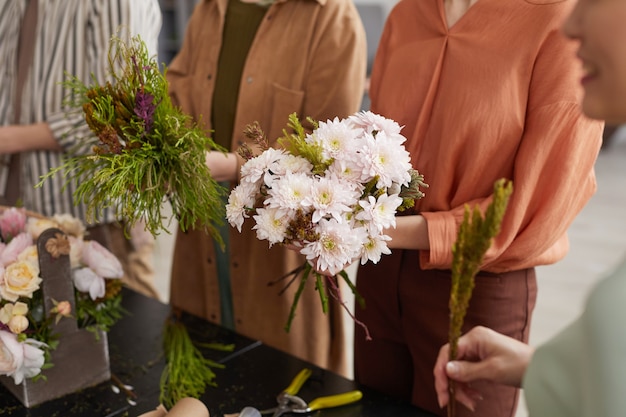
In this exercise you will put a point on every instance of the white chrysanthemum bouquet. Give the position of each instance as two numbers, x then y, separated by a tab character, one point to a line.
331	193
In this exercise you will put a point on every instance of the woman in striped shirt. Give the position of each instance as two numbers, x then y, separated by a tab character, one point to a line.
69	37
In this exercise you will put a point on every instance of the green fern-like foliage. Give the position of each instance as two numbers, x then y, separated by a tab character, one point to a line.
146	151
296	144
188	372
474	238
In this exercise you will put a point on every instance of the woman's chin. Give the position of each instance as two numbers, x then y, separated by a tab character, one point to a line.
602	110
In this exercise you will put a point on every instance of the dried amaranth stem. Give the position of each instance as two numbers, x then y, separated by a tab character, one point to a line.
474	239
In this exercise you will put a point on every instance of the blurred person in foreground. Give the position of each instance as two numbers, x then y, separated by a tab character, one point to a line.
581	372
485	89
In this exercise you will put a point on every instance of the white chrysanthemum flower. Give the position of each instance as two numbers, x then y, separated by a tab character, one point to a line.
373	123
240	200
374	248
382	158
254	170
359	150
291	164
271	225
330	196
289	192
380	213
347	169
287	165
336	137
336	247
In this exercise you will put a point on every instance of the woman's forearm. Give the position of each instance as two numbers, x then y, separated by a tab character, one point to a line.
23	138
411	232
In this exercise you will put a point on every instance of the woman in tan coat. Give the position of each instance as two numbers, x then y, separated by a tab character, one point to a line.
242	62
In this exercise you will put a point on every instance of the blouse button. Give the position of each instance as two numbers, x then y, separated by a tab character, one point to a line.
249	80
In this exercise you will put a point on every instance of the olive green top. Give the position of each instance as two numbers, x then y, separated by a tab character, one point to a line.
240	27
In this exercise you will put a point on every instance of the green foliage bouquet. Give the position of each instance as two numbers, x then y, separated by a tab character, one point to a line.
145	150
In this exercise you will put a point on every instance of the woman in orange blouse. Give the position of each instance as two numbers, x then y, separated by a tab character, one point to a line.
485	89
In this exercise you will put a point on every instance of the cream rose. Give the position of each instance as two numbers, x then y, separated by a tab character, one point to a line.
14	316
21	279
29	254
70	225
35	226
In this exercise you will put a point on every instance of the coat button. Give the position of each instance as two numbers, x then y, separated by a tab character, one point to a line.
249	80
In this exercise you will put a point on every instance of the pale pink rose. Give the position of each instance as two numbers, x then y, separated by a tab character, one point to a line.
101	260
20	360
15	247
18	324
86	280
21	279
36	226
11	353
12	222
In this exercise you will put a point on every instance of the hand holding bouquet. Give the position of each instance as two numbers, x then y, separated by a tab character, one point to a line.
331	193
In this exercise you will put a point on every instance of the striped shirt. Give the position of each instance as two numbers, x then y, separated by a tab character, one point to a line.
72	38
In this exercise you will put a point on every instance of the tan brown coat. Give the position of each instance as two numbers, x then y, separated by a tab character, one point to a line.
309	57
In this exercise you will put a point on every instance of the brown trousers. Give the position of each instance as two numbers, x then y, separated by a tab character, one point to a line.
135	254
407	314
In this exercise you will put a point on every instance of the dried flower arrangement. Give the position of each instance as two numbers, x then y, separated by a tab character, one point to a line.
145	150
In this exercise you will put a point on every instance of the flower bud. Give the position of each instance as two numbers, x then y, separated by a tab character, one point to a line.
18	324
64	308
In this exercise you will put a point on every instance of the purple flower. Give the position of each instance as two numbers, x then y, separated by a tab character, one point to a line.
144	109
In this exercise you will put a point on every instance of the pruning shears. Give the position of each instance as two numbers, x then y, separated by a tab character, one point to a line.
289	402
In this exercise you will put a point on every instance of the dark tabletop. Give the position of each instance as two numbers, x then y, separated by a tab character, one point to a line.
253	374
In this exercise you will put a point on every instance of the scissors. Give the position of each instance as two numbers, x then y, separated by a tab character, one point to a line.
289	402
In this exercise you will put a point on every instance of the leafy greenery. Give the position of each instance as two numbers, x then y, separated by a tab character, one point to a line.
187	372
474	239
295	144
102	313
145	150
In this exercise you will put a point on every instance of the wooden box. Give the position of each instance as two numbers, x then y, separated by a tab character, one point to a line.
81	359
